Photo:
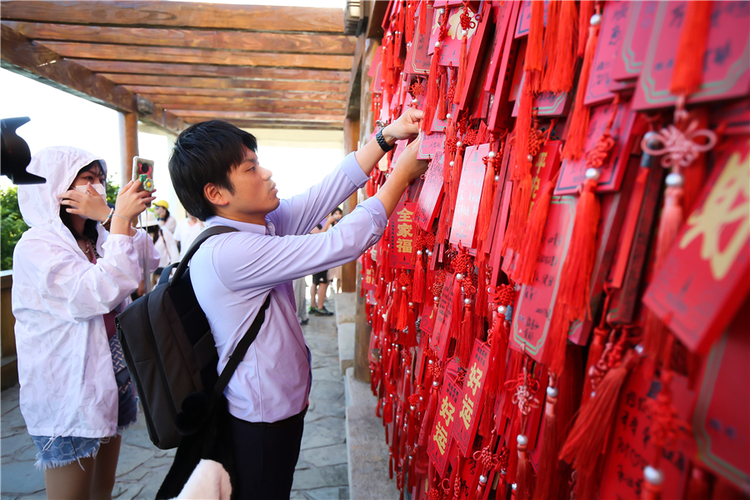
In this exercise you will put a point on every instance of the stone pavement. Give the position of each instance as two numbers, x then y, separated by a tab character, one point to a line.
321	471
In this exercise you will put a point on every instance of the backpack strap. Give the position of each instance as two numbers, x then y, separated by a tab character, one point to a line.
203	236
241	349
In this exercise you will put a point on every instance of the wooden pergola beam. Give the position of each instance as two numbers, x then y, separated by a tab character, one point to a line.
193	116
209	70
182	14
32	60
157	94
225	83
196	39
232	103
197	56
297	125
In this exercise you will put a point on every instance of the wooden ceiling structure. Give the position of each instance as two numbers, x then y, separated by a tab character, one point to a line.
178	63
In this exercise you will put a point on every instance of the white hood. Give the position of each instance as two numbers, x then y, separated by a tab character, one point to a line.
39	203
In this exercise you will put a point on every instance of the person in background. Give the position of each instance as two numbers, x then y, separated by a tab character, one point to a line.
300	289
164	243
166	221
320	279
335	273
217	176
70	278
187	230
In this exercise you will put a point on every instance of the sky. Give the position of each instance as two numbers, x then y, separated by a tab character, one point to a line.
59	118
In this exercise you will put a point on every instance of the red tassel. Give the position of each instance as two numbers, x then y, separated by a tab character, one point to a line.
485	204
431	99
523	131
498	352
584	19
519	212
565	48
423	17
534	60
442	92
462	63
550	41
587	441
466	338
411	333
595	353
557	339
579	118
417	295
429	416
575	276
546	478
402	320
456	304
444	223
458	165
654	332
688	66
532	238
524	474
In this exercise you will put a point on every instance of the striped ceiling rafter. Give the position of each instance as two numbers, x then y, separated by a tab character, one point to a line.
258	66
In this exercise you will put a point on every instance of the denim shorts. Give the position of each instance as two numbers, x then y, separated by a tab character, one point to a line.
63	450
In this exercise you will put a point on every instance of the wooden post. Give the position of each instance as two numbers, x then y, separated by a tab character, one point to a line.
349	270
128	144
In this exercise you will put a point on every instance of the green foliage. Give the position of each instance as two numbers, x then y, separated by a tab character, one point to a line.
12	225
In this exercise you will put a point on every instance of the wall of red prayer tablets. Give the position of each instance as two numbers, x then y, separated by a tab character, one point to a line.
559	308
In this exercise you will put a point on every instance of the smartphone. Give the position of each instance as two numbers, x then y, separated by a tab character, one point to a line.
143	170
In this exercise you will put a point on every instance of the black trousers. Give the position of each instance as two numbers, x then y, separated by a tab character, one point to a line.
265	456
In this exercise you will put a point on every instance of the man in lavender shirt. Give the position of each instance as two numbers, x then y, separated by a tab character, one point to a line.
217	176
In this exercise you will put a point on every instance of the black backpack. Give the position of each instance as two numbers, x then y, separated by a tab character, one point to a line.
170	350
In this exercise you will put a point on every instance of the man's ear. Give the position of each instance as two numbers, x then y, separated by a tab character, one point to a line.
215	194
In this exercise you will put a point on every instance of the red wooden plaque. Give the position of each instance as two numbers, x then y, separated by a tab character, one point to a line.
629	62
432	190
705	277
548	104
440	335
600	87
531	321
524	18
417	60
402	231
497	114
441	437
627	127
469	194
721	421
631	447
501	29
431	143
471	396
726	68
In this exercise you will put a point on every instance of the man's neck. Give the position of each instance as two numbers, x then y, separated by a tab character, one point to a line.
259	219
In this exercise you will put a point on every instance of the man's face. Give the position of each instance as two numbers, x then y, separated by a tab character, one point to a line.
254	192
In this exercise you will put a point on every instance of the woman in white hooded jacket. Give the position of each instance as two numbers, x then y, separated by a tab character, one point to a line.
70	277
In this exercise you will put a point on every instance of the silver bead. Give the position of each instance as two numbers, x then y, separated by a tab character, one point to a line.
436	299
459	144
410	457
448	116
674	180
403	288
451	163
482	479
497	178
412	407
459	276
435	383
429	361
491	154
411	304
437	44
501	309
522	440
592	173
596	20
414	101
530	158
429	253
639	348
551	392
513	486
408	44
489	289
421	398
653	476
419	252
467	301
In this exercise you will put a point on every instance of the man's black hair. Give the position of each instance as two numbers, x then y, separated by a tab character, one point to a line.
206	153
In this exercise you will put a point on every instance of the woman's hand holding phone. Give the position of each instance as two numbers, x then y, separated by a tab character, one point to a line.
131	202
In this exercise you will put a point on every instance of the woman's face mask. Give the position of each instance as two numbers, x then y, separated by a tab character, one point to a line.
97	187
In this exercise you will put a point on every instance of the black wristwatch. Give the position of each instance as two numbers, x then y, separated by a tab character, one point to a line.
382	142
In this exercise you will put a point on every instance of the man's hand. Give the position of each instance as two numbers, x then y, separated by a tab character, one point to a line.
405	127
407	165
